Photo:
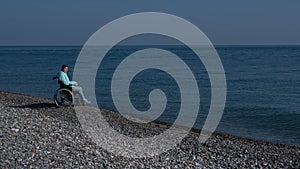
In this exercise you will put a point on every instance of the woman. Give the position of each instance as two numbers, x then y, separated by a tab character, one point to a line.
63	77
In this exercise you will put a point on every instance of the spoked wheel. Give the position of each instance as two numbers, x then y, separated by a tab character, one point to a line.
63	97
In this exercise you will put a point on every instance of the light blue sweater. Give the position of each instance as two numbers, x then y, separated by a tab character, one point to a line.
63	77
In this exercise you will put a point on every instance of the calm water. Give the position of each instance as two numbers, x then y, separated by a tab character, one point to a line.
263	98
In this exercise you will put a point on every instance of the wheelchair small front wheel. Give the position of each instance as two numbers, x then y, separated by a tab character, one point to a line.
63	97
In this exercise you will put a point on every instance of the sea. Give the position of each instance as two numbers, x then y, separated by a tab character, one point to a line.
263	84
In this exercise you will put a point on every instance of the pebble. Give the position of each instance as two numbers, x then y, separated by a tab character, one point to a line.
15	130
35	136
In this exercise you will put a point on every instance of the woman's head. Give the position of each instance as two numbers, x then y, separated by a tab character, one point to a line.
64	68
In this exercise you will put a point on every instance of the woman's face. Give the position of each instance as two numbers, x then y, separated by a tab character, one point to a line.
65	69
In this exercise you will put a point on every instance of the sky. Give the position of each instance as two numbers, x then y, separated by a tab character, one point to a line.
72	22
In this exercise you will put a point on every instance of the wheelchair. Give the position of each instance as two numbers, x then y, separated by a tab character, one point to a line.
64	96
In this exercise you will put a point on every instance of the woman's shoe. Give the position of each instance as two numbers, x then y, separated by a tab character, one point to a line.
87	101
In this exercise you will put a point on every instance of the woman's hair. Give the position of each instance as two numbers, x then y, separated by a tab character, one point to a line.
63	66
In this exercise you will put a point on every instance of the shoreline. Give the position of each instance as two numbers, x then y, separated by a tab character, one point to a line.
30	123
195	130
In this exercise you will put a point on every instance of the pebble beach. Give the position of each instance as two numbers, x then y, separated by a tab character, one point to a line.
34	133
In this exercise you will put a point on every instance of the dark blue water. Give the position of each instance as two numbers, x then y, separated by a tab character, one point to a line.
263	84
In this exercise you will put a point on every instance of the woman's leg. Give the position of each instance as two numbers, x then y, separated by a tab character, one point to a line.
80	91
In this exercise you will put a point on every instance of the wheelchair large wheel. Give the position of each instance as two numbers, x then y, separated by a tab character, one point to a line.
63	97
